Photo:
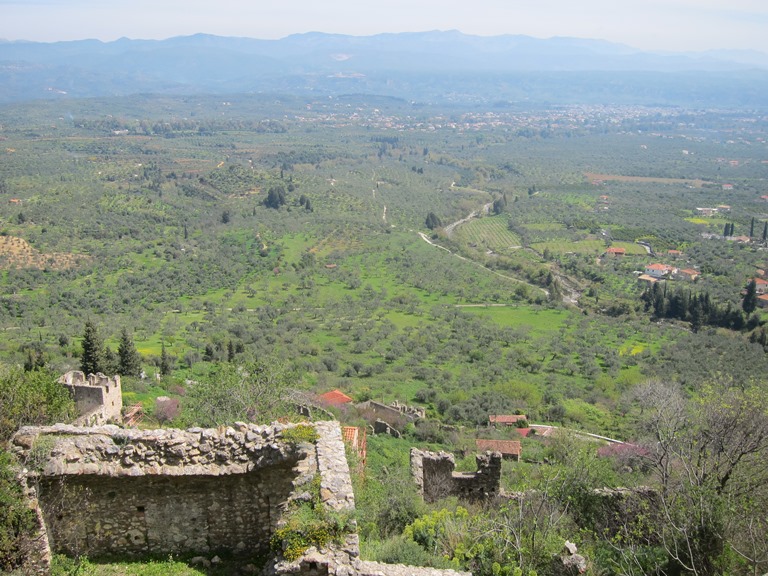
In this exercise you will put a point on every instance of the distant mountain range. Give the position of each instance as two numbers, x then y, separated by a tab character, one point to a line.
427	67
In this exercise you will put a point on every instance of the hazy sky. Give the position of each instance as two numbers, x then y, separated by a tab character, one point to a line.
678	25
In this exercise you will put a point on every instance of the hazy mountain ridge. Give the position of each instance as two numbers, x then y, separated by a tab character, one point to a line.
417	66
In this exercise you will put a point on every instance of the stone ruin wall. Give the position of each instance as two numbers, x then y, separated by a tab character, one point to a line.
435	477
107	491
98	398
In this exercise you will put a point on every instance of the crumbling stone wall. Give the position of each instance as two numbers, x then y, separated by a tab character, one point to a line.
394	410
435	477
158	515
98	398
107	491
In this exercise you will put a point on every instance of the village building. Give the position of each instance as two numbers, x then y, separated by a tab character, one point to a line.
647	279
614	251
657	270
506	419
761	285
509	449
688	274
334	398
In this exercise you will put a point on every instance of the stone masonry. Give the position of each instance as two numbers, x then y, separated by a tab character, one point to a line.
435	477
97	397
107	491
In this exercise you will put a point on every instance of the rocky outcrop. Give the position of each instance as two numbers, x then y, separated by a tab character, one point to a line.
569	563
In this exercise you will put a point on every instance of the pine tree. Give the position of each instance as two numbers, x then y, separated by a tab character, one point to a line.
92	358
129	363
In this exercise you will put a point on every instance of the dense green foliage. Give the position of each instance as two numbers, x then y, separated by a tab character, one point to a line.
251	262
26	398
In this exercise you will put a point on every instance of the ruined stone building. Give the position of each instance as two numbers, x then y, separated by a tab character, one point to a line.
112	492
435	477
98	398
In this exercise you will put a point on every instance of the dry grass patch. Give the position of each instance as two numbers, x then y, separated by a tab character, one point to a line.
17	253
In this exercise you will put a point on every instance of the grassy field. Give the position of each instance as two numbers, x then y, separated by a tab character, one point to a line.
491	233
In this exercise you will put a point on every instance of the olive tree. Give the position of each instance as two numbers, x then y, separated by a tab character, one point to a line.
708	453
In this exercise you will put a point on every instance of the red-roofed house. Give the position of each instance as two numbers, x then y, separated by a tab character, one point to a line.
659	270
509	449
688	274
506	419
674	253
761	285
762	301
613	251
334	398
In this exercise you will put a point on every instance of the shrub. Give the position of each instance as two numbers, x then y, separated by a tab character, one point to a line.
16	518
309	524
302	433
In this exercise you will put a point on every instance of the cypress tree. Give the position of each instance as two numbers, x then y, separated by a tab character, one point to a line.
432	221
750	298
129	361
166	362
765	232
92	358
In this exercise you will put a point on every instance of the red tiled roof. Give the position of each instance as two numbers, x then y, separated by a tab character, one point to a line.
657	267
523	431
334	397
509	447
613	250
506	418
